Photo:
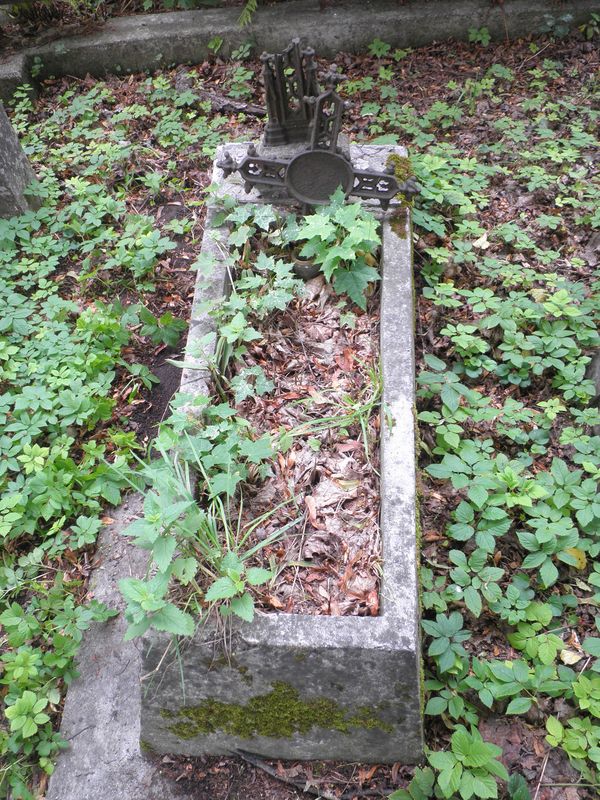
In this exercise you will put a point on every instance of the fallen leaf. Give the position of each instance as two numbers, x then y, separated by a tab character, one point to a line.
365	775
316	545
348	486
311	507
347	447
539	747
579	556
570	656
373	602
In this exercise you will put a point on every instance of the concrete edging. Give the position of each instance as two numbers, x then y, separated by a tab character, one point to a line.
148	42
367	666
101	716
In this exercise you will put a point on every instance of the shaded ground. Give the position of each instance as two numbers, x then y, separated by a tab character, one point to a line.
420	78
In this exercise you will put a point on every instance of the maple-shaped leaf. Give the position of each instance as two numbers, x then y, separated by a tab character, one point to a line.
224	483
240	214
335	255
347	215
240	236
258	450
354	281
264	216
317	225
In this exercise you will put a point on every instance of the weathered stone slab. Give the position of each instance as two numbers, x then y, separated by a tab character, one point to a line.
315	687
13	73
15	172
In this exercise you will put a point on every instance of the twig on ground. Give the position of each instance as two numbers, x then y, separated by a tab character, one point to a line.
535	55
539	783
302	786
220	104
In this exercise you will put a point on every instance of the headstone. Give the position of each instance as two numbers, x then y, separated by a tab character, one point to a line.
15	172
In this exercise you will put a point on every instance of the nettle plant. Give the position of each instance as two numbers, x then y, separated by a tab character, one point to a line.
190	526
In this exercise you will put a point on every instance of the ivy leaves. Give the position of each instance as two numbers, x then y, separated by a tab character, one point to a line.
354	281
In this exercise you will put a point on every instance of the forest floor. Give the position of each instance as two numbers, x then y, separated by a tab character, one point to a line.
506	248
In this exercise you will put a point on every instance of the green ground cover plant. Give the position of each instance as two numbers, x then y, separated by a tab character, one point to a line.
508	425
79	278
507	320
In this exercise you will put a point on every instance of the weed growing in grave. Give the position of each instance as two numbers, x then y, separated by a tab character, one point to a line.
187	524
192	514
342	239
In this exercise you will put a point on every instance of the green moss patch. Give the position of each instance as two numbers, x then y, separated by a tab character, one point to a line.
402	171
278	714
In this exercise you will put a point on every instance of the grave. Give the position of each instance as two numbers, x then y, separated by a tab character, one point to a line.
15	172
300	686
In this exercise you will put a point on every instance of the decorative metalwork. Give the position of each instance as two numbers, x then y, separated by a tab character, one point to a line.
290	81
329	109
313	175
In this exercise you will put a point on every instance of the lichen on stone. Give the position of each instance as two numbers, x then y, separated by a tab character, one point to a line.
278	714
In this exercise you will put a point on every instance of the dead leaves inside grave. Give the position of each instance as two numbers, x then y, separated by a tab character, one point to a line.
316	364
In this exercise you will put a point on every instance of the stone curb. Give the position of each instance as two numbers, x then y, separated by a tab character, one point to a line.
101	717
367	668
148	42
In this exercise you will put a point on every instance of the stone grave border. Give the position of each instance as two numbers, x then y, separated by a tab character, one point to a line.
369	663
148	42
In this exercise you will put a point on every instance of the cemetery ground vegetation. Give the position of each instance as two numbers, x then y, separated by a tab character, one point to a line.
291	424
96	291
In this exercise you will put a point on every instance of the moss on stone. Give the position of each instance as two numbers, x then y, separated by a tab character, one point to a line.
398	221
278	714
402	167
300	656
402	171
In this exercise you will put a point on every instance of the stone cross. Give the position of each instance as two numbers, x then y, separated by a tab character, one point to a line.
15	172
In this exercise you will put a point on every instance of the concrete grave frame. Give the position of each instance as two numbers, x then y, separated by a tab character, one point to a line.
300	686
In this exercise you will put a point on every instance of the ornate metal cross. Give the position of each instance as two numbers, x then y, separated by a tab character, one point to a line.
299	112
